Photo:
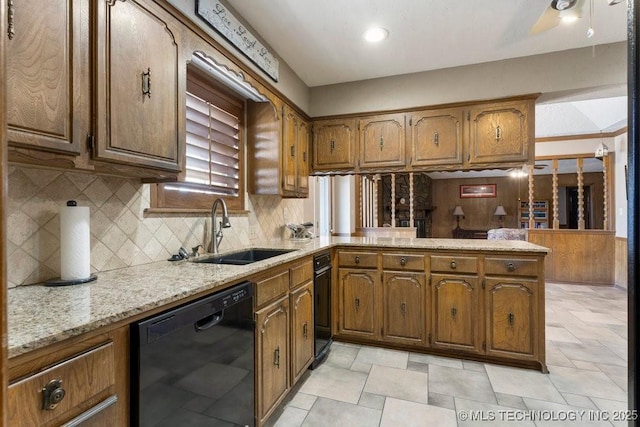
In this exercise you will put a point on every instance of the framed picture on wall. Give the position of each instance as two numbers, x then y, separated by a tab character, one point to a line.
477	191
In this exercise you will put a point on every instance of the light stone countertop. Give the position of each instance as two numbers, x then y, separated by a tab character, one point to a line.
40	315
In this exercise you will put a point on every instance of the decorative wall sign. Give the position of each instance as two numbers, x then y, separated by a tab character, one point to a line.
218	17
477	191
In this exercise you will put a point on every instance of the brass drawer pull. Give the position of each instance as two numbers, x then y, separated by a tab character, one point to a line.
332	146
146	83
403	308
511	266
357	260
304	330
403	261
454	311
436	138
276	357
512	319
453	264
11	11
357	301
52	394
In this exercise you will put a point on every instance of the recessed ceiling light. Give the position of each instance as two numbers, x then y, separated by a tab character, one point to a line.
375	34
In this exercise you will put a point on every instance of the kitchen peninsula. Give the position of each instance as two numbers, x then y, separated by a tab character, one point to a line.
475	299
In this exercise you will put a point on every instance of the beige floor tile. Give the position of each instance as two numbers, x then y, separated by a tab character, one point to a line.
383	357
553	415
523	382
326	412
398	383
555	333
435	360
402	413
610	407
291	417
335	383
341	356
586	383
461	383
590	353
510	401
302	401
373	401
441	400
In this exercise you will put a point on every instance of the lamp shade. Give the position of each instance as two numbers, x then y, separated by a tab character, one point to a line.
500	211
458	211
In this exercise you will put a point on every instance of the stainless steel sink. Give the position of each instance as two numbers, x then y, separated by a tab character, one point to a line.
243	257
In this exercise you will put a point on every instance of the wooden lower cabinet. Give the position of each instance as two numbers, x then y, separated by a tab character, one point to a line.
272	344
512	317
86	382
404	307
456	313
358	289
302	340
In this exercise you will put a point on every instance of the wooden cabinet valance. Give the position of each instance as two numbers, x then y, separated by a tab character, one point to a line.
479	135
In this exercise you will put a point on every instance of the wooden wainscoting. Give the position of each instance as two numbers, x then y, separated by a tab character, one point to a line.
578	256
621	272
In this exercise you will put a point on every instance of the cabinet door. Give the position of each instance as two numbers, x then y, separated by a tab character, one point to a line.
302	157
140	86
501	132
48	84
290	123
357	302
404	307
456	310
382	141
272	329
334	143
512	309
302	339
436	137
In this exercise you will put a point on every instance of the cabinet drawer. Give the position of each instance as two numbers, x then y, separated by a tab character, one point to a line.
459	264
82	378
403	262
271	287
358	259
301	273
511	266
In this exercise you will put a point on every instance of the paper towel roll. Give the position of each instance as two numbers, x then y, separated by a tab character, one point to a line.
75	249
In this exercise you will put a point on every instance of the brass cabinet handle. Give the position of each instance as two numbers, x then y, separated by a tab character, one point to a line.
146	83
357	301
293	151
454	311
304	330
276	357
333	145
52	394
11	11
512	319
436	138
498	133
511	266
453	264
381	143
403	308
357	260
403	261
304	156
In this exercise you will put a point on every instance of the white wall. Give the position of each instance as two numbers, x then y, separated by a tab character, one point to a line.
574	70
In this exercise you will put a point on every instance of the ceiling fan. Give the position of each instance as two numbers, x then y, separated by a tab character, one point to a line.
561	9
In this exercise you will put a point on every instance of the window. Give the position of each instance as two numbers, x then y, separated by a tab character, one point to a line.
214	165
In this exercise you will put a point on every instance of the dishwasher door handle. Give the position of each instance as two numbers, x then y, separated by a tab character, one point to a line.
209	321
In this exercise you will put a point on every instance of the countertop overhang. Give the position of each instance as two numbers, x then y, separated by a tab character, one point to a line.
39	315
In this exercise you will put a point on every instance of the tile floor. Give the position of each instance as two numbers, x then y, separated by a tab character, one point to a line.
586	354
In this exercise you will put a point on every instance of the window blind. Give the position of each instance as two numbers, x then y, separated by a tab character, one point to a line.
212	147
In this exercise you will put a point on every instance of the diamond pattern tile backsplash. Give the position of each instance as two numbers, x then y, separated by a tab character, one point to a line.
121	233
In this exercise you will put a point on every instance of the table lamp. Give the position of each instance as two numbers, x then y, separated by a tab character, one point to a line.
500	213
457	212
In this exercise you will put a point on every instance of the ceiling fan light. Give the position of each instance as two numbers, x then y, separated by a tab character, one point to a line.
563	4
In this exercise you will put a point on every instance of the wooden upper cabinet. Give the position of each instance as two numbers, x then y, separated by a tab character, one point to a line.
334	143
501	132
382	141
278	149
48	83
295	153
140	86
436	137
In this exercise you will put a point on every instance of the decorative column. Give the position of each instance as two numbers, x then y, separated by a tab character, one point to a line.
393	200
376	178
411	199
580	194
605	193
556	218
362	200
532	222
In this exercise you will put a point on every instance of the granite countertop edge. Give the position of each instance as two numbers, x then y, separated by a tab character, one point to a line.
39	315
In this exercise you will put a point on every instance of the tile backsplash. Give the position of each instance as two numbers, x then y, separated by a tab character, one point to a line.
122	234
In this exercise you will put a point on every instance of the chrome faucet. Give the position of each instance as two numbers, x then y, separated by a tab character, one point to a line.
216	237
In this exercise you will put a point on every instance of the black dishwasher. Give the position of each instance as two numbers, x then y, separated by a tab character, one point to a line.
322	306
193	365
